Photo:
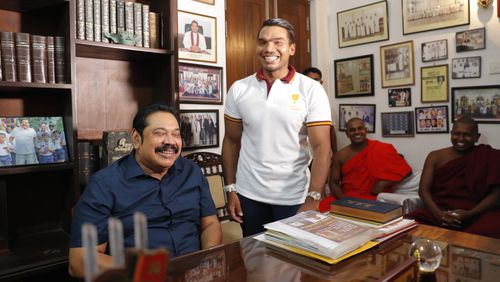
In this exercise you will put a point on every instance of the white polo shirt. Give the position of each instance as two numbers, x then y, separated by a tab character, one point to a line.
275	153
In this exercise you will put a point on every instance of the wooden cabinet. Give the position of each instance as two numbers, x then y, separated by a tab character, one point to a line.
105	85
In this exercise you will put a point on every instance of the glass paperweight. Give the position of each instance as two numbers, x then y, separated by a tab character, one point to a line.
428	254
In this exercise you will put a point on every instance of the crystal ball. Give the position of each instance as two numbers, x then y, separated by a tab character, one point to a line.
428	254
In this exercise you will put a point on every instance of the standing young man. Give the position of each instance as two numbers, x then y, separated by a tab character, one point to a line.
272	119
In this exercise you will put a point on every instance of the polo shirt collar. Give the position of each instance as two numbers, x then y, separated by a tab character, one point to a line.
133	169
287	78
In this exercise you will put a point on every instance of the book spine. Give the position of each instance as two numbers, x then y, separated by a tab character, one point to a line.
60	60
89	20
112	16
23	57
145	26
120	16
104	19
153	30
97	20
51	68
129	17
8	56
39	58
88	162
138	23
80	19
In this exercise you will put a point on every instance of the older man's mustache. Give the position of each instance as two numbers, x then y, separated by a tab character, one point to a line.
165	147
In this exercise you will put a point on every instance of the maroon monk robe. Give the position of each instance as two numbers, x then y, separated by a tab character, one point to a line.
464	182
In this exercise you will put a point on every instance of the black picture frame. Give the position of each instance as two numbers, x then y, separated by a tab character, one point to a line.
466	67
434	50
354	76
486	100
470	40
399	97
196	130
397	124
432	119
366	112
200	84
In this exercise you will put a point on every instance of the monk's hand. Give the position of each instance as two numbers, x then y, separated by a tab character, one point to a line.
234	207
450	219
309	204
461	215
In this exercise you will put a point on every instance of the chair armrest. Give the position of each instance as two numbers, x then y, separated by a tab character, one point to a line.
409	202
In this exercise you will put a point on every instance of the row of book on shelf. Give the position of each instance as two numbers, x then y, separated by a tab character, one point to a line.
101	20
32	58
352	226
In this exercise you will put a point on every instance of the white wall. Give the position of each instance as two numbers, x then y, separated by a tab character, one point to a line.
216	11
325	50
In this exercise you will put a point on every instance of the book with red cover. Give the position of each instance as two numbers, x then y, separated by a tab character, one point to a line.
366	209
150	266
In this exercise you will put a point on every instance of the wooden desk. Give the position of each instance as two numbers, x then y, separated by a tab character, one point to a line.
466	257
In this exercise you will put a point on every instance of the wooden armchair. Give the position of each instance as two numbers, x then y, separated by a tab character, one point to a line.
211	167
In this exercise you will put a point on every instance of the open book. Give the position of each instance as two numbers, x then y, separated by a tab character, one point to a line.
321	234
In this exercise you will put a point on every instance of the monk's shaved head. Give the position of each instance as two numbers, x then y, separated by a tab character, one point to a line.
469	121
352	120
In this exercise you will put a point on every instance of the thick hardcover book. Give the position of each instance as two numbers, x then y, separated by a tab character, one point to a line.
23	57
145	26
97	20
138	23
116	144
129	16
60	59
112	16
80	19
154	30
51	61
120	15
366	209
104	19
88	162
8	56
39	58
89	20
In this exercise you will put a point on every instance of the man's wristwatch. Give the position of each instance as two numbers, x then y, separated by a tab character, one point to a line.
230	188
315	195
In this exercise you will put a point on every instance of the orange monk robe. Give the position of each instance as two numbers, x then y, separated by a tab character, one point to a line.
377	162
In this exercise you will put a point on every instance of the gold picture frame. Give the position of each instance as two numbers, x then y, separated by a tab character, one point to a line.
434	82
397	64
206	40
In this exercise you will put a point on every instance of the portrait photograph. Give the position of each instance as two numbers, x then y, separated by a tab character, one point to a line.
419	16
399	97
397	124
366	112
435	50
199	129
434	84
432	119
482	103
363	24
470	40
397	64
354	76
200	84
32	141
197	37
468	67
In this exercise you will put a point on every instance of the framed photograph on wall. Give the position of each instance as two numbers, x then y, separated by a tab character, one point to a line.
468	67
399	97
354	76
197	37
470	40
482	103
419	16
199	129
200	84
434	84
366	112
363	24
433	119
397	64
397	124
435	50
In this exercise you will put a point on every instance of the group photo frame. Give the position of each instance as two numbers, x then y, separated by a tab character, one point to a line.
200	84
199	128
420	16
366	112
397	124
363	24
482	103
467	67
197	36
399	97
434	50
432	119
434	84
470	40
397	64
354	76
